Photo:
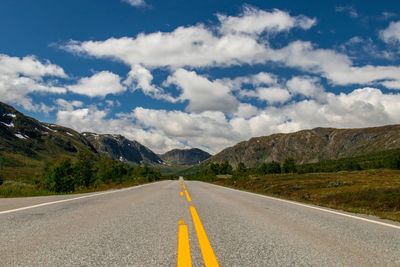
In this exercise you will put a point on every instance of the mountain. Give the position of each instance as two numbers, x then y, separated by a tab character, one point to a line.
26	136
185	156
309	146
26	144
120	148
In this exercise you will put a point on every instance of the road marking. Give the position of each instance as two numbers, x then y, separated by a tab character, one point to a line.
184	259
181	193
314	208
72	199
189	199
209	258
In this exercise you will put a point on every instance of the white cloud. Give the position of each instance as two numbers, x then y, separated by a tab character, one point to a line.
68	105
392	33
256	21
273	94
194	46
99	84
136	3
334	66
246	111
21	77
261	78
141	78
394	84
29	66
306	86
203	94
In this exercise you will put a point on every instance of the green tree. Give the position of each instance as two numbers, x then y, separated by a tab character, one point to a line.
241	168
84	169
351	165
289	165
215	168
225	168
59	177
394	162
270	168
273	167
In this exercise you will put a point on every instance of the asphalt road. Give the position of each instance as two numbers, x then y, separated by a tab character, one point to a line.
162	223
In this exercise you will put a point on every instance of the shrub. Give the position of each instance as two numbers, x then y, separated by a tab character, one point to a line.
270	168
289	166
59	177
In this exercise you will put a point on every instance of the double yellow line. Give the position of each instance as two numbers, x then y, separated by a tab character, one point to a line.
184	258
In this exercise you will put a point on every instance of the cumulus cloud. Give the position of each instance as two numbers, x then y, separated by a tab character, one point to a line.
141	78
246	110
392	84
99	84
272	95
256	21
392	33
21	77
261	78
68	105
194	46
336	67
306	86
202	93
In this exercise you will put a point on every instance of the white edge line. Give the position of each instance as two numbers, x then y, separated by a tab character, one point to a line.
312	207
72	199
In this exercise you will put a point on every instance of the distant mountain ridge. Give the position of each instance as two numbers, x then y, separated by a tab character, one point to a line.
309	146
120	148
185	156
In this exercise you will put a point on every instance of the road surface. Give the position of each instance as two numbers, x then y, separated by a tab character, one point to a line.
171	222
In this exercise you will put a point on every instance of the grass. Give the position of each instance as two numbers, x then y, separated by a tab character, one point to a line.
373	192
20	189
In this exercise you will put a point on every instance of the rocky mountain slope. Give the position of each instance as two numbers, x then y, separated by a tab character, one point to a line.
120	148
184	156
310	146
26	136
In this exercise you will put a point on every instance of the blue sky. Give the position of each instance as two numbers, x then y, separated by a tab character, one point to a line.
179	74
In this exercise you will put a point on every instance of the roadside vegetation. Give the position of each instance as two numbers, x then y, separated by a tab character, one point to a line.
368	184
84	173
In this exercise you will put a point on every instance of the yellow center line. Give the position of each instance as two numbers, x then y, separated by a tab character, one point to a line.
184	259
209	258
188	198
181	193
